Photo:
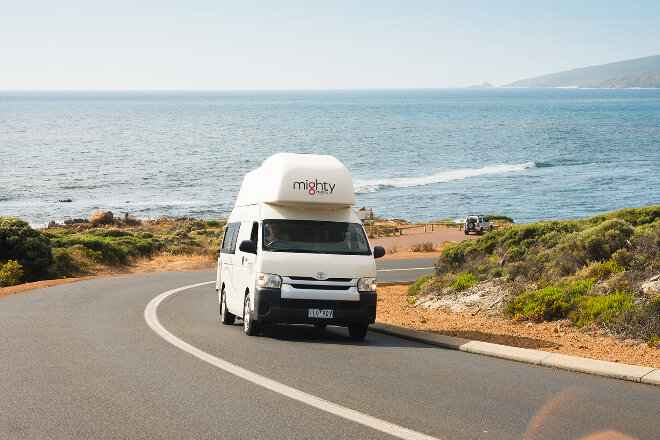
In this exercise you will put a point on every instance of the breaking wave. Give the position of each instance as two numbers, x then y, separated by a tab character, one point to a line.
369	186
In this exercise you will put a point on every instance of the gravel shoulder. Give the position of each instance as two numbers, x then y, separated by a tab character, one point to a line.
554	337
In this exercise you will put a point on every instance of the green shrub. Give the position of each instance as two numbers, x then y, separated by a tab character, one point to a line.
499	218
498	272
652	341
75	259
29	247
633	216
464	281
603	240
10	273
212	223
416	287
642	321
549	303
605	308
109	233
546	304
195	225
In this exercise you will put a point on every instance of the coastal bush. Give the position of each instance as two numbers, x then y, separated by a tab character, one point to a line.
548	303
601	241
112	250
29	247
498	272
640	321
605	308
213	224
74	259
633	216
464	281
10	273
599	270
417	285
110	233
496	218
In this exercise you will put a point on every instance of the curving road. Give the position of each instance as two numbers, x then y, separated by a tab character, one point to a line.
79	361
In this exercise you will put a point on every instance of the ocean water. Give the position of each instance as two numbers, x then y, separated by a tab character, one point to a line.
415	154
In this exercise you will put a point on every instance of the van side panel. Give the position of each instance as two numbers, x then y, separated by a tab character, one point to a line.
243	263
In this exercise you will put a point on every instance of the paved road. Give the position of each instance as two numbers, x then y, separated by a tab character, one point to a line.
389	271
79	361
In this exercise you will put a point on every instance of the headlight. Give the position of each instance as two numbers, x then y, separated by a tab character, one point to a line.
367	284
269	280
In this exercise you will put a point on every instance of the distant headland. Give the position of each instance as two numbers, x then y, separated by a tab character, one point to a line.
635	73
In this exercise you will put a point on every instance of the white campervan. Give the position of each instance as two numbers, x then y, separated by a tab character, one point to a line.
294	251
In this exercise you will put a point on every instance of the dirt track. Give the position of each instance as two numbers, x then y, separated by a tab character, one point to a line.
411	237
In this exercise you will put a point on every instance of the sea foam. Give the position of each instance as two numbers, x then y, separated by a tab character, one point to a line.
369	186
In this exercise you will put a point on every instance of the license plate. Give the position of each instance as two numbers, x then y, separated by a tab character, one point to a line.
320	313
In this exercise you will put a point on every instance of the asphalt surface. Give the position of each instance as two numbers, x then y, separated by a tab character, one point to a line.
389	271
79	361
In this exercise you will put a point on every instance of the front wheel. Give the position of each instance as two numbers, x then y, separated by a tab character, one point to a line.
466	232
357	330
481	231
226	316
250	326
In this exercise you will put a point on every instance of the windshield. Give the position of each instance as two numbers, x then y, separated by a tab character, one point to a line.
315	237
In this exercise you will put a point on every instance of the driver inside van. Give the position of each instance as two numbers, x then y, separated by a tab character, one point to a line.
274	234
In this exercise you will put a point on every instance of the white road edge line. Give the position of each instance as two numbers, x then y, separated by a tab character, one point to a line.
380	425
412	268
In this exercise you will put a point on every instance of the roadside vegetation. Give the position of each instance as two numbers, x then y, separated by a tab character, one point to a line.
591	271
61	251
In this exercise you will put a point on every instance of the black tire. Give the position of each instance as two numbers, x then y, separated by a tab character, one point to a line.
250	326
490	228
466	232
226	316
481	231
357	330
320	325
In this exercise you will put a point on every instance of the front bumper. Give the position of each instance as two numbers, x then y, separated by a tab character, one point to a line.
270	307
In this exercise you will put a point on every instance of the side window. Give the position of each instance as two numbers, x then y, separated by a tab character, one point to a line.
229	240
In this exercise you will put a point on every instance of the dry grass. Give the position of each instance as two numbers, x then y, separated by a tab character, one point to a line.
392	250
426	246
169	258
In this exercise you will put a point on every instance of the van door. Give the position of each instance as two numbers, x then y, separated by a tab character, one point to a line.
227	257
243	270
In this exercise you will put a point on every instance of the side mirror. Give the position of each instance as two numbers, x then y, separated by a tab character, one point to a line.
248	246
379	251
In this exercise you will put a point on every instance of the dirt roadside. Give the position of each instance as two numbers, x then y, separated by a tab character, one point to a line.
555	337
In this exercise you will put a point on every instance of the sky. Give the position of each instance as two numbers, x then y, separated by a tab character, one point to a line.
358	44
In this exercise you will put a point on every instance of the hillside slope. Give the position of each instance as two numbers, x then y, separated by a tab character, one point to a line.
638	72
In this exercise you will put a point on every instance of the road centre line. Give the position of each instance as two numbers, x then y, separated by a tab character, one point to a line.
150	316
412	268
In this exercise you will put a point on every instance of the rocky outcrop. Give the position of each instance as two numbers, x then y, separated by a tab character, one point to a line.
652	285
101	218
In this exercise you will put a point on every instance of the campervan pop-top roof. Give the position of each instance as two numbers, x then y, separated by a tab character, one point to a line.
299	180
